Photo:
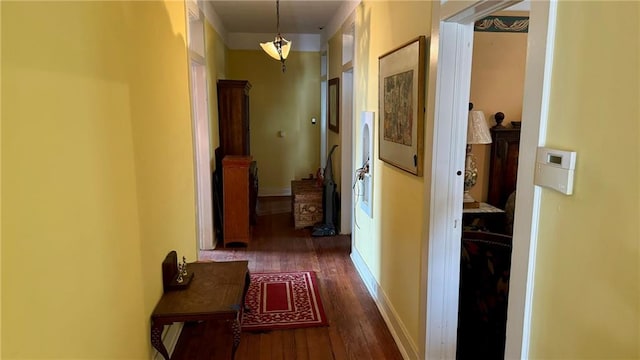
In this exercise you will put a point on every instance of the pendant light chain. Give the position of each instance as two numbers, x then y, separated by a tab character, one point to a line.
278	48
278	16
284	67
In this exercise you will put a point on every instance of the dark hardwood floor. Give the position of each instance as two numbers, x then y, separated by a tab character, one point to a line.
356	329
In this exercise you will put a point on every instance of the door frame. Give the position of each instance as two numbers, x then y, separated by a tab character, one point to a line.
202	150
448	96
348	150
200	126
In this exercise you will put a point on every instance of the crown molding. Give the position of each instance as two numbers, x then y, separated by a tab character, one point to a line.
344	12
213	19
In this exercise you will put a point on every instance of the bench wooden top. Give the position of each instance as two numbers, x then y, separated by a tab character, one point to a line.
216	292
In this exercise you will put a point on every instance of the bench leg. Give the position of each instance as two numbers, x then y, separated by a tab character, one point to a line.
156	340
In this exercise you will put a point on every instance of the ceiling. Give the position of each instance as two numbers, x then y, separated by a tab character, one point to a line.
245	23
296	16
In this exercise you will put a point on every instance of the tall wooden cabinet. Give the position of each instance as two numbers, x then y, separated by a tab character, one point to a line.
233	116
235	184
503	168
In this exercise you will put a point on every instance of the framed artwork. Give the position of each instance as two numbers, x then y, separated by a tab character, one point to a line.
401	92
334	105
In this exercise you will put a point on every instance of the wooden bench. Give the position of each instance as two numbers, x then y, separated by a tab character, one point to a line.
215	293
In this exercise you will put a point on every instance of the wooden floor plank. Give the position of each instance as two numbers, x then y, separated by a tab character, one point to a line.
319	344
356	329
302	349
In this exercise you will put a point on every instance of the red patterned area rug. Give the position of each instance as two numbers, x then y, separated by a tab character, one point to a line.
283	300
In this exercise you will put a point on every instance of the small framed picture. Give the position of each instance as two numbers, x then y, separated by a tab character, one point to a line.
334	105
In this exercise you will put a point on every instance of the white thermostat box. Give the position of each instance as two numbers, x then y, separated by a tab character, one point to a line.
554	169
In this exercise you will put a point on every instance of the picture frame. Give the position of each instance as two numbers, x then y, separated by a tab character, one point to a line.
333	104
401	92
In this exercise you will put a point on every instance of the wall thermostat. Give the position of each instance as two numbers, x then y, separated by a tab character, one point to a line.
554	169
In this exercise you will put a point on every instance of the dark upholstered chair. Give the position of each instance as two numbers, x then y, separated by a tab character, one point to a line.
485	264
509	210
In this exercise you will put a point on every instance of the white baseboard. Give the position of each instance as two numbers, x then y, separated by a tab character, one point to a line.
274	191
407	347
170	336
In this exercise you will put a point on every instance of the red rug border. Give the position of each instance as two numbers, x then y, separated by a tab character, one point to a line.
316	292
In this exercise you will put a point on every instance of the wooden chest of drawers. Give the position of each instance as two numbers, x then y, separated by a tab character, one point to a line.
306	203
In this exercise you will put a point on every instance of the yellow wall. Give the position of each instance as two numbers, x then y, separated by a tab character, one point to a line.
0	188
216	54
93	197
390	244
281	102
587	281
162	136
334	60
497	84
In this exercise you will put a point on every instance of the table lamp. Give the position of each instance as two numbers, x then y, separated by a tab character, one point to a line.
477	133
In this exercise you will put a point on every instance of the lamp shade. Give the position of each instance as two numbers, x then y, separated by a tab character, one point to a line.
271	48
286	46
478	130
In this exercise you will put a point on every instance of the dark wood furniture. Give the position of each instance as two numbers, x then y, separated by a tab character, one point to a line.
216	293
236	199
485	217
234	129
485	266
253	193
503	166
306	203
233	116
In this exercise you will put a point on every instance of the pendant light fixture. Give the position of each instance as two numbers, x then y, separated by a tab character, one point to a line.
278	48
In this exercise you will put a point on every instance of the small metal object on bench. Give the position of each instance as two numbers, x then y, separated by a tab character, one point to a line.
171	275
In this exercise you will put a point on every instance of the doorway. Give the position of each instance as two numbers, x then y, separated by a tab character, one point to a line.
448	96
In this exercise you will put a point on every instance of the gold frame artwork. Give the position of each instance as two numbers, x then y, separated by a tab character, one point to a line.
333	105
401	93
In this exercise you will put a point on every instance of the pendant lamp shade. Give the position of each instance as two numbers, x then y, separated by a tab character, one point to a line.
280	47
277	49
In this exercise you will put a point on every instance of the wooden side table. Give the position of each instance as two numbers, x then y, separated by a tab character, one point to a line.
216	293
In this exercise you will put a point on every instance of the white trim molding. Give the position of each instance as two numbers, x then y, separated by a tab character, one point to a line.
407	347
453	56
341	16
535	111
213	19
